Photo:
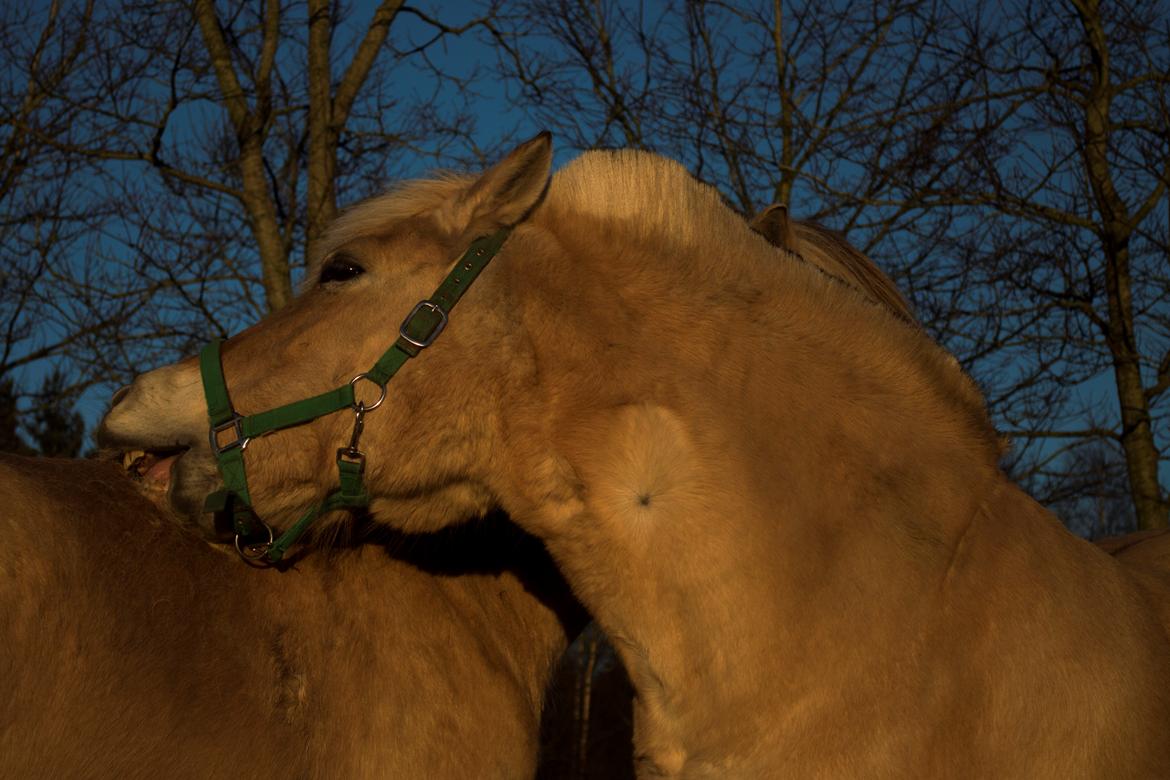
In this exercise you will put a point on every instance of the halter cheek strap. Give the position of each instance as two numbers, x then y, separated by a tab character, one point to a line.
230	431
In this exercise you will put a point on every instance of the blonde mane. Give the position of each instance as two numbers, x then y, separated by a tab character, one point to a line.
655	200
627	187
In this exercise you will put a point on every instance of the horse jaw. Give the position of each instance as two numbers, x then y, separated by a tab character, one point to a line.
163	411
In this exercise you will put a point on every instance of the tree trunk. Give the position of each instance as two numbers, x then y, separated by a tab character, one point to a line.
329	108
321	205
250	127
1137	437
265	226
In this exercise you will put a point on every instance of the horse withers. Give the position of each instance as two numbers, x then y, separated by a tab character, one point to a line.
132	649
779	500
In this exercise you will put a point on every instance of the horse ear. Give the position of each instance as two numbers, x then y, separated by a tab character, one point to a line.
773	224
507	191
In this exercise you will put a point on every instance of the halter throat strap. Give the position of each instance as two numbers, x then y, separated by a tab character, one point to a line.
230	432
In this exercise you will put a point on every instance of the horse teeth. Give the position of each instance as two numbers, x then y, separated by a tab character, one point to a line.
132	457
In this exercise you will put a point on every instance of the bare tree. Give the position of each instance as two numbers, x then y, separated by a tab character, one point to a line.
290	104
215	137
1006	165
1094	493
251	107
47	212
1068	185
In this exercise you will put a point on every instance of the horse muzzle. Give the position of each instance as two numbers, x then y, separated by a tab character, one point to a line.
157	427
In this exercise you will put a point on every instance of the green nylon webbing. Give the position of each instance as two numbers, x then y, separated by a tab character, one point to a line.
350	477
388	365
453	287
231	461
235	480
419	326
220	411
474	260
219	405
298	412
351	495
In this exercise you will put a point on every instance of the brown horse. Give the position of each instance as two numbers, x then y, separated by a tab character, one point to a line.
131	649
781	502
830	252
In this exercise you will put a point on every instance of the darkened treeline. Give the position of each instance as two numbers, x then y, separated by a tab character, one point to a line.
51	424
165	166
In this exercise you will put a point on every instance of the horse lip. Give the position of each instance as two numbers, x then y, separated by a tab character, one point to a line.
107	439
144	463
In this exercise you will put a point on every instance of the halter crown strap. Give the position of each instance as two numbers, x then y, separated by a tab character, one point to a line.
230	432
428	318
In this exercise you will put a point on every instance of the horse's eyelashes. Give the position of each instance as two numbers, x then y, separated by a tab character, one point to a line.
340	269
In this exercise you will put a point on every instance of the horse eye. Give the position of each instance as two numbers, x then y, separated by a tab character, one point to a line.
340	269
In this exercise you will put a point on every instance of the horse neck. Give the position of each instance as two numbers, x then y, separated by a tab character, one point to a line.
842	404
737	469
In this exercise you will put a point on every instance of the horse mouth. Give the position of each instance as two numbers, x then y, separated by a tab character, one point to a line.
171	480
153	468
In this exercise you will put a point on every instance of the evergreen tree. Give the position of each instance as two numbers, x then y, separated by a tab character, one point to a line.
10	440
59	429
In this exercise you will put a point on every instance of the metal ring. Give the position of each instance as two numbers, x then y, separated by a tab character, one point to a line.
359	406
251	553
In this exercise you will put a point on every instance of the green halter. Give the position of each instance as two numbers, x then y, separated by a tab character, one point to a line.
253	537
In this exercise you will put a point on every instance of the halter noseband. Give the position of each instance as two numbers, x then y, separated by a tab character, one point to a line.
254	539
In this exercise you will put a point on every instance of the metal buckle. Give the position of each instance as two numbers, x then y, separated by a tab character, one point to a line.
236	425
434	334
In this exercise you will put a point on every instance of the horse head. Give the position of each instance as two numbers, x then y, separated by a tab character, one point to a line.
377	265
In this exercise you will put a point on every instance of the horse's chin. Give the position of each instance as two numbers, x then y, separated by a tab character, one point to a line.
189	480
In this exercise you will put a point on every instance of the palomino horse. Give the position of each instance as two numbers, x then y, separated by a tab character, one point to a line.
780	502
131	649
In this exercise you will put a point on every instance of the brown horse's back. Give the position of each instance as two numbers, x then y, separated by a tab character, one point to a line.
1146	554
131	649
1150	548
125	641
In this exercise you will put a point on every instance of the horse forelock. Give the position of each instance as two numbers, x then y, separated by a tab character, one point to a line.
376	216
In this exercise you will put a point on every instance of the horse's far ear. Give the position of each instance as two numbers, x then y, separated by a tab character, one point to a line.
507	191
773	224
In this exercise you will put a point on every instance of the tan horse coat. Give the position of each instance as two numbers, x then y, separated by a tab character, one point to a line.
133	650
780	502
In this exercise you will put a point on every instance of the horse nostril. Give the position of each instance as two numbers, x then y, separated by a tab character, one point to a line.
118	395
